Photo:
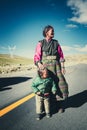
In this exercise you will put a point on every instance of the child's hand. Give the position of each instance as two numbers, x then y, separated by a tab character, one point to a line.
38	93
54	93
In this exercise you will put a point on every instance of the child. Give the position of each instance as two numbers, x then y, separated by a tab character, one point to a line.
42	86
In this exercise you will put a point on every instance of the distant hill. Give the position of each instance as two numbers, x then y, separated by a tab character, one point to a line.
6	59
10	64
18	63
76	59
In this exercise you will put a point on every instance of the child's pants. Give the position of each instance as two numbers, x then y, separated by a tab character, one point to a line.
42	102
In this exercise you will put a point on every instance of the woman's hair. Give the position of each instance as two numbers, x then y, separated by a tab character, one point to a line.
46	29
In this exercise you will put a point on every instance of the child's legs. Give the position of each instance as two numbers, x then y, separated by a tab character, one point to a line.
39	104
47	104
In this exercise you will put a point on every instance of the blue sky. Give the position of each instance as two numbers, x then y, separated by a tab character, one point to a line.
22	23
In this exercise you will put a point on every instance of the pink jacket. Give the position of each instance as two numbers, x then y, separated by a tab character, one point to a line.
38	53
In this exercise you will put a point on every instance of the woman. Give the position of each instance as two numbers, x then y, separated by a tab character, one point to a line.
49	54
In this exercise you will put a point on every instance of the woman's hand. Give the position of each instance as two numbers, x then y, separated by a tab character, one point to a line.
63	70
40	66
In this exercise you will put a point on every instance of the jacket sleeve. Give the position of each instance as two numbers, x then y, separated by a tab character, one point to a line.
61	55
54	87
38	54
34	85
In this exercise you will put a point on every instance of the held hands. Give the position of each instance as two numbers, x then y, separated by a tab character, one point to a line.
40	66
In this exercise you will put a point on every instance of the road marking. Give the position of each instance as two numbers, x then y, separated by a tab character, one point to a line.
16	104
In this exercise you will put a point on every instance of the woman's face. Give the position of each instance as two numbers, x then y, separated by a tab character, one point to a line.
50	33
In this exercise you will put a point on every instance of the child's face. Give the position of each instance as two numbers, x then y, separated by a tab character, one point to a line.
45	74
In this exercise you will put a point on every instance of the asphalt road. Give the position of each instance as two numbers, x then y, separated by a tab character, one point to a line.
23	116
15	86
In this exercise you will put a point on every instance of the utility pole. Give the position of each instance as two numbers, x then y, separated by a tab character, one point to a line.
11	50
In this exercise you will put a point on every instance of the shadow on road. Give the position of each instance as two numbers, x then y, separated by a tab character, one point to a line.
72	102
6	82
77	100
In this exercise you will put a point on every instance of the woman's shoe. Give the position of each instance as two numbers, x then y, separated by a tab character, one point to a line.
48	115
61	110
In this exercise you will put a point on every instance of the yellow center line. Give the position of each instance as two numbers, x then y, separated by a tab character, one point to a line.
16	104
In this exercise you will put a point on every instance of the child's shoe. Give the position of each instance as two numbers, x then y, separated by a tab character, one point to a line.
38	117
48	115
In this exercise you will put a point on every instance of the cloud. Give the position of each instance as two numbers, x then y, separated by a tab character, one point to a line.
66	30
79	8
82	49
74	49
67	48
2	47
8	47
71	26
52	4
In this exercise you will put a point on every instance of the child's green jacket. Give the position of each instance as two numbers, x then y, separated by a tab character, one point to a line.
43	85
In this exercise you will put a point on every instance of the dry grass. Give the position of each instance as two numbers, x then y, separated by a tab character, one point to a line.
5	60
17	63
